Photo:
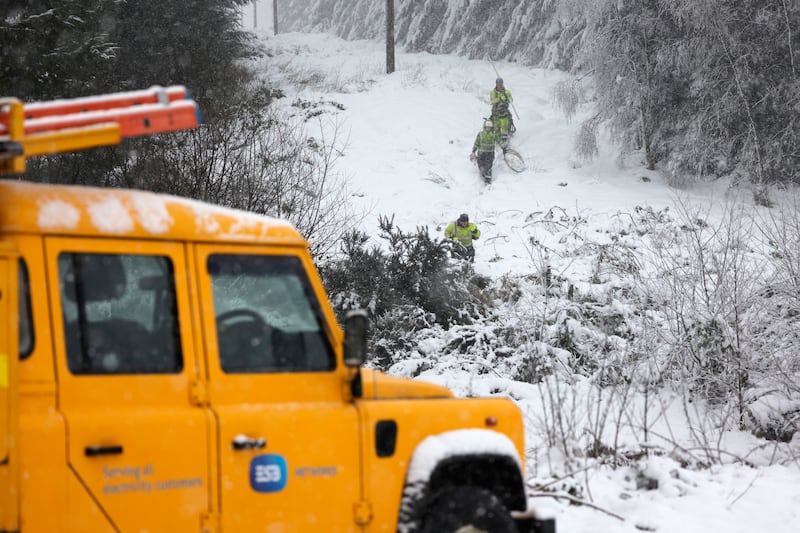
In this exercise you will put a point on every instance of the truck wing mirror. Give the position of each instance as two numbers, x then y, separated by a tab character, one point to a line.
356	325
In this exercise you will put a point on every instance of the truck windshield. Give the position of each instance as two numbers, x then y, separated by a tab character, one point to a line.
268	319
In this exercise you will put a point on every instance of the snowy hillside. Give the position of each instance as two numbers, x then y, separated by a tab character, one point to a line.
532	33
404	141
407	137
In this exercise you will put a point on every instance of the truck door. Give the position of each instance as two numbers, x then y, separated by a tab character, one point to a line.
137	445
288	440
9	352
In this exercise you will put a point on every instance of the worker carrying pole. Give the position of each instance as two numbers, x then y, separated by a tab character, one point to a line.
497	74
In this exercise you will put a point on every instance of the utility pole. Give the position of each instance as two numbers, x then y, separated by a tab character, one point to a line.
275	16
255	14
389	36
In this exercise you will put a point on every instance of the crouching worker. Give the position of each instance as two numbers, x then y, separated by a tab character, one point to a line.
463	232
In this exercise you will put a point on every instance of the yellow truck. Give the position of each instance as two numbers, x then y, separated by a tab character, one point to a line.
168	365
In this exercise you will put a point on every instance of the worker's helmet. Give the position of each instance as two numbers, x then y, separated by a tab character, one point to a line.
499	81
487	125
463	217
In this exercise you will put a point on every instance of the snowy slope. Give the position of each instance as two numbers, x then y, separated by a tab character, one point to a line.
405	141
409	135
540	32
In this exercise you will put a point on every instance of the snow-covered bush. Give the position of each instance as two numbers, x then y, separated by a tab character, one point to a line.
408	285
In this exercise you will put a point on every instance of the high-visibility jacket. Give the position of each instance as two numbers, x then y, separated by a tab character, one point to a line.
496	96
463	234
485	141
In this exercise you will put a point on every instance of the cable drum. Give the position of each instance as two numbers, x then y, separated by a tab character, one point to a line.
514	160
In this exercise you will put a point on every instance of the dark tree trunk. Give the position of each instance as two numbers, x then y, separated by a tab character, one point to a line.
389	36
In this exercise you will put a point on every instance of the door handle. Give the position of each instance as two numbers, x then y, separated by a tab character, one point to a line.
243	442
91	451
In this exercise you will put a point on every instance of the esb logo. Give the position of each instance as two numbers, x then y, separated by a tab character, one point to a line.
268	473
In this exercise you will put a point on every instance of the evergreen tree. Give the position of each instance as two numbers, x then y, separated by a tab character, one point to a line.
198	44
56	49
82	47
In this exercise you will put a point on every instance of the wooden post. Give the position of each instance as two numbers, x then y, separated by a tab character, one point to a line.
275	16
389	36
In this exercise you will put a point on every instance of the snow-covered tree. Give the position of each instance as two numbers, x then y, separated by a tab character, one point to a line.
740	114
631	48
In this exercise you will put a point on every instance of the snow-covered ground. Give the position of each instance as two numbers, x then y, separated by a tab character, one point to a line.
405	141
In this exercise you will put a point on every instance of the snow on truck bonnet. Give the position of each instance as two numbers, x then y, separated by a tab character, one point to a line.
29	207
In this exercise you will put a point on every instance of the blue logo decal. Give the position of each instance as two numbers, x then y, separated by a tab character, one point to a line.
268	473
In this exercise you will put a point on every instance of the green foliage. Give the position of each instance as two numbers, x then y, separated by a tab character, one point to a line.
409	285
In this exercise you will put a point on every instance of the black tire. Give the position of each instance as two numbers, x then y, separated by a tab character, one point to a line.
456	508
514	160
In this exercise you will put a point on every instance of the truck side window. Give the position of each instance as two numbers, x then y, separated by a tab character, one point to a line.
268	318
120	314
25	313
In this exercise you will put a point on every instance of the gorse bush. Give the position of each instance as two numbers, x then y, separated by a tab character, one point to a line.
409	284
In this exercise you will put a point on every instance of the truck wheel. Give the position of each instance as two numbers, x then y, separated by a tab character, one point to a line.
467	509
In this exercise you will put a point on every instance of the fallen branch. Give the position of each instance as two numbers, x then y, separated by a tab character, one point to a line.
561	478
746	490
484	365
576	501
